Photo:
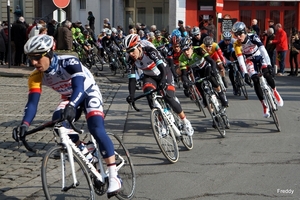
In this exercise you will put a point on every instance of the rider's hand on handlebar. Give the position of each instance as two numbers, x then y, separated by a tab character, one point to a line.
162	83
19	132
70	113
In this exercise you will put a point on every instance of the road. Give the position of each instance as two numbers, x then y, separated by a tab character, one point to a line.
254	161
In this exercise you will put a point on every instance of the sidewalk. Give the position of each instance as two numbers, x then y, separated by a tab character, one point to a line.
15	71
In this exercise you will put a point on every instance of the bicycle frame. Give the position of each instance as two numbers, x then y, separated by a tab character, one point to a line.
265	87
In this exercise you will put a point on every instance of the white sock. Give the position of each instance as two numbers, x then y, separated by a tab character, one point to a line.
112	170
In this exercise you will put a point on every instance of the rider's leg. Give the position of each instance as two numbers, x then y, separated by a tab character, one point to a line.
221	94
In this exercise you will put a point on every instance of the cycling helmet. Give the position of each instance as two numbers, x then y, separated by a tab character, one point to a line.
85	32
108	32
227	35
131	41
114	30
207	41
176	40
185	43
239	27
195	31
38	44
157	33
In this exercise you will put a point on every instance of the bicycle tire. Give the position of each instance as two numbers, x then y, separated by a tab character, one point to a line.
98	63
51	173
272	110
167	142
126	172
241	84
198	99
217	120
220	81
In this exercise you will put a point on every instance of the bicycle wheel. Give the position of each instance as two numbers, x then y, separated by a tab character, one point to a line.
125	168
99	64
270	101
164	136
198	99
241	84
56	169
216	117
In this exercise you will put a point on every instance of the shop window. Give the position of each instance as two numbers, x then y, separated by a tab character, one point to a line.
261	17
141	15
289	20
82	4
246	17
245	3
260	3
275	3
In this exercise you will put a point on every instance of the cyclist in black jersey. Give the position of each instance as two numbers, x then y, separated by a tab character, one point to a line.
253	58
156	73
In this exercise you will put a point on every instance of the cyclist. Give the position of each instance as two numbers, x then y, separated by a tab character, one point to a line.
206	67
173	57
226	46
216	54
196	38
249	45
159	39
79	91
156	74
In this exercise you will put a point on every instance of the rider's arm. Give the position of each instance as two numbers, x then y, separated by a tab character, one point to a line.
183	63
201	52
77	79
239	54
220	53
35	89
158	59
262	49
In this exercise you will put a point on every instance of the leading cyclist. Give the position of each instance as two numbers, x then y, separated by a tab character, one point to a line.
78	89
156	74
249	45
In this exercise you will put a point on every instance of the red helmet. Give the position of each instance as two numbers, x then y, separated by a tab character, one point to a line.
131	41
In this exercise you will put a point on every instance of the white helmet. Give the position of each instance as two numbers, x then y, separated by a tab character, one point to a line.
114	30
195	31
38	44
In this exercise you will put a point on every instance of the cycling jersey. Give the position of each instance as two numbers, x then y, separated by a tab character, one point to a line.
215	52
254	50
109	43
227	49
58	77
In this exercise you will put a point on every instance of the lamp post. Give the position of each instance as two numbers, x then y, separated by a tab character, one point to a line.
9	34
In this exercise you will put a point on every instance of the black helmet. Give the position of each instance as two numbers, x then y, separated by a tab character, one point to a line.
207	41
185	43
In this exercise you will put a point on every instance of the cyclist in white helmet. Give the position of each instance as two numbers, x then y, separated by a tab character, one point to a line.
79	92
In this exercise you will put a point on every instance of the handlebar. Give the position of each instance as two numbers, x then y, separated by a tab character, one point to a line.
42	127
132	104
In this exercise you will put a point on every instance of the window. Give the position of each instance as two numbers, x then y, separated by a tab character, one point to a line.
129	3
289	21
275	3
245	3
82	4
260	3
158	17
141	15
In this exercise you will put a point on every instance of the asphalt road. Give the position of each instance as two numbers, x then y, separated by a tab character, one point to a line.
254	161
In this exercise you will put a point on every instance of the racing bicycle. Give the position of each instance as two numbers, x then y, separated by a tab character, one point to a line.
239	80
166	125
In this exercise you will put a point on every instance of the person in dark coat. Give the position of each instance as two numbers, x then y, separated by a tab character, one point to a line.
18	36
64	36
51	26
91	20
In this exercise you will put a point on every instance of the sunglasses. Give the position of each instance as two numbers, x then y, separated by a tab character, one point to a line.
36	56
196	34
239	33
130	50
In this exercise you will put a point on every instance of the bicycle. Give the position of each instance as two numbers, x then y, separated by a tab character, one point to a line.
239	80
270	99
166	126
194	93
217	112
68	177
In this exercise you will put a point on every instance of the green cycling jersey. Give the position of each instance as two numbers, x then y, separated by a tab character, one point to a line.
197	58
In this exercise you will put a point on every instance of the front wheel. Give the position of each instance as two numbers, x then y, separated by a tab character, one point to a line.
164	136
125	168
198	99
241	84
56	170
270	102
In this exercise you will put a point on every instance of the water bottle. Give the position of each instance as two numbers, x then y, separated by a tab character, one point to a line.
82	147
169	115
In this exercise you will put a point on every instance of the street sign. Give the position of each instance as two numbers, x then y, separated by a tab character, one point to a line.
219	6
59	15
61	3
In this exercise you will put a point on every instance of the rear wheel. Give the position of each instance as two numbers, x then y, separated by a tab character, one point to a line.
164	136
56	166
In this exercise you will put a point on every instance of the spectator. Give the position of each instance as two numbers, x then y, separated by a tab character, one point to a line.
18	36
78	24
211	28
43	30
64	36
91	32
91	19
181	28
271	48
150	37
51	26
204	33
271	25
153	28
106	23
255	27
18	12
36	29
188	30
144	28
281	42
3	43
142	35
294	52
